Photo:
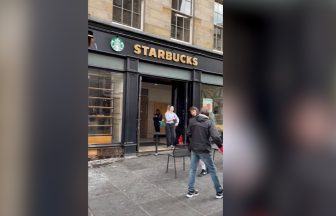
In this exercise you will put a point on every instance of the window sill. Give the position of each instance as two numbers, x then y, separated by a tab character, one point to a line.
126	26
217	51
181	13
180	41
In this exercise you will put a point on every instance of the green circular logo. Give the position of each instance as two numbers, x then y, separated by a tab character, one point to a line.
117	44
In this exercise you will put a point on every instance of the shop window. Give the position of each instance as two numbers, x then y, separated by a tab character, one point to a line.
104	106
181	19
218	25
127	12
212	100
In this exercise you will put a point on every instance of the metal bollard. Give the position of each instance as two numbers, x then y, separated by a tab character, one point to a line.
156	143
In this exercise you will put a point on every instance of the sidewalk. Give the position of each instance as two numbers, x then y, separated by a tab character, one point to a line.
139	186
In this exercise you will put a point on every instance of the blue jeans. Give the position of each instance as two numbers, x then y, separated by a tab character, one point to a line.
211	168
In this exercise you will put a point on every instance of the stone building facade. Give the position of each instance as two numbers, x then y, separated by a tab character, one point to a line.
156	18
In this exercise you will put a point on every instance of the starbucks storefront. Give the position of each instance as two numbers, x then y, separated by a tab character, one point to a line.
132	74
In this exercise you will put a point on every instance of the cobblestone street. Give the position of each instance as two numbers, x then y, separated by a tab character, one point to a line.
140	186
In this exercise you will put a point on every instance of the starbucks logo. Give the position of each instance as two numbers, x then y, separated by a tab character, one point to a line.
117	44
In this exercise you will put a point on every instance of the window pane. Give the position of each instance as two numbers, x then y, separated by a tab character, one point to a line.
127	4
136	20
216	8
127	17
100	120
221	40
179	32
104	106
99	102
215	37
212	99
117	14
137	6
103	130
173	18
101	82
216	18
179	21
179	4
117	3
173	31
187	23
220	8
218	36
175	4
185	7
220	19
218	14
215	41
186	35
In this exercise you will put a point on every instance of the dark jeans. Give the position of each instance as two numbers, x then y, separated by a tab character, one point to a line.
170	134
157	127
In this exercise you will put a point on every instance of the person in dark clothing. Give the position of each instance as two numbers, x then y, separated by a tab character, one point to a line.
156	119
199	131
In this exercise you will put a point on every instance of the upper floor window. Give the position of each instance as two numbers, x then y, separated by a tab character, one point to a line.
181	19
218	25
127	12
183	6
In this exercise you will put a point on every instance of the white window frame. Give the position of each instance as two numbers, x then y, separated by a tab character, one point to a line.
191	30
218	26
221	27
127	26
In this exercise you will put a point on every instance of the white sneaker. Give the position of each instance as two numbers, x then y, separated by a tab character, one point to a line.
192	193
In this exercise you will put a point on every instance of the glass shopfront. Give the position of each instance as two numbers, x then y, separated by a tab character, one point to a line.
105	91
212	99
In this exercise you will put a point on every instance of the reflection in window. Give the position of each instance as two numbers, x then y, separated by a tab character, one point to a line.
212	99
105	93
127	12
218	25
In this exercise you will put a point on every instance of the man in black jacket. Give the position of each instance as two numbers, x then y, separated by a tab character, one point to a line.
200	129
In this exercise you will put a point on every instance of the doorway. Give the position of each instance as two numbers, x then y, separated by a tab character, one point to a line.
157	94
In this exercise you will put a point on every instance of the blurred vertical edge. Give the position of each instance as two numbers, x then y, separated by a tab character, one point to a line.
279	107
43	107
59	108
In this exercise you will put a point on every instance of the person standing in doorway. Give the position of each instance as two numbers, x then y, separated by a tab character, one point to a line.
157	119
200	129
172	122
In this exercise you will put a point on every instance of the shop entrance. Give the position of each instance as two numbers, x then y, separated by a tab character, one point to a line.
155	95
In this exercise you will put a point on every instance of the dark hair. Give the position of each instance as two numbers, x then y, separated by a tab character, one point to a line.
194	108
205	111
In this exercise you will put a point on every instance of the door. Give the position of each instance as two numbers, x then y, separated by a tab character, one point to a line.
144	113
180	101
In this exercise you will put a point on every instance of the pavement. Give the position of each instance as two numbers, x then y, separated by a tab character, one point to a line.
140	186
